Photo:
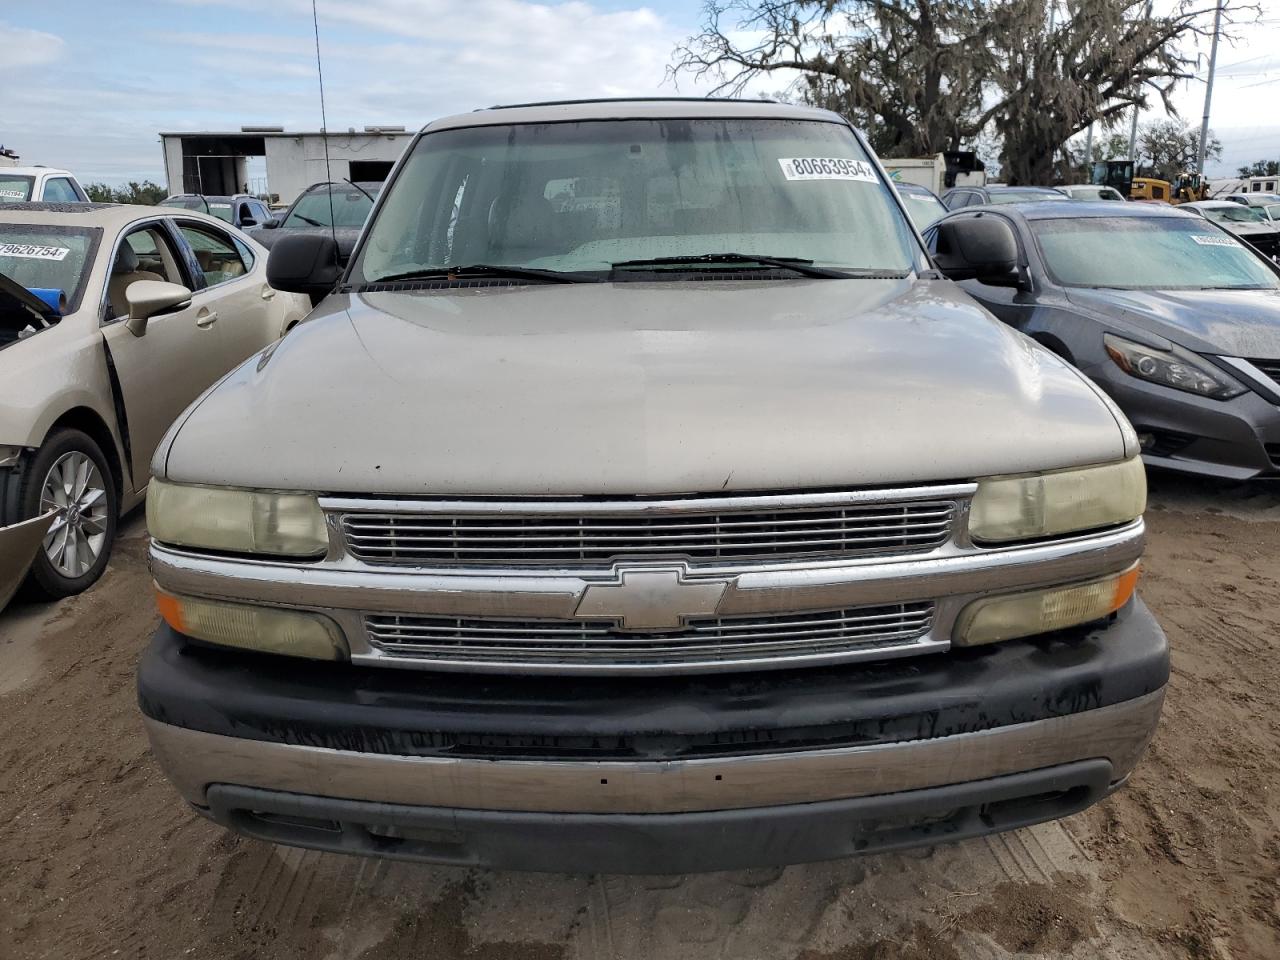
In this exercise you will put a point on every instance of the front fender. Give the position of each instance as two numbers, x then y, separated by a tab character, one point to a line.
18	545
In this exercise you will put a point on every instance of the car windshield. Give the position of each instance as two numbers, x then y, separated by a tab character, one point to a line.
1273	210
585	196
1235	213
186	203
15	188
220	208
1148	253
48	258
1087	192
1024	196
923	208
350	208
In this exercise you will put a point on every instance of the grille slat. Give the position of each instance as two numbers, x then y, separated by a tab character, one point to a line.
1270	367
464	640
598	539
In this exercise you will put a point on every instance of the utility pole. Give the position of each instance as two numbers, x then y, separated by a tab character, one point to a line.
1208	91
1133	126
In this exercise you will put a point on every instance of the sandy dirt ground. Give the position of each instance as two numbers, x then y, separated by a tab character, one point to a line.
100	859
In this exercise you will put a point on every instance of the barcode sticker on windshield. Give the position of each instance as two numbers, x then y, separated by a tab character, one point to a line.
220	206
14	194
33	251
1207	241
827	168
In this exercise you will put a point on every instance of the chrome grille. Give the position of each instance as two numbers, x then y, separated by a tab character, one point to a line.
570	536
712	641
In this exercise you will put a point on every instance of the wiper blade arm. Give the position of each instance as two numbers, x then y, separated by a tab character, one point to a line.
486	270
797	264
314	223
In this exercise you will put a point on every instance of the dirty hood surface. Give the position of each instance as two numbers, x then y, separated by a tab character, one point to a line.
1232	323
643	388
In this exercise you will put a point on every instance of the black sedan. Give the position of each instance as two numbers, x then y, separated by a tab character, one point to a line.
337	208
1173	317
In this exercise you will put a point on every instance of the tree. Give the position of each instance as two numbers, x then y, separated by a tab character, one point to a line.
1260	168
906	73
1167	148
927	75
145	192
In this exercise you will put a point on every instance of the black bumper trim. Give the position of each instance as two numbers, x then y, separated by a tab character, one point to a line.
415	713
662	843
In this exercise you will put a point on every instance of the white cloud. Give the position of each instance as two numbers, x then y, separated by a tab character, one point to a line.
25	48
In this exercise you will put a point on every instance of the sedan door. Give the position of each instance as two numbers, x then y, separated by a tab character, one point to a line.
162	372
235	289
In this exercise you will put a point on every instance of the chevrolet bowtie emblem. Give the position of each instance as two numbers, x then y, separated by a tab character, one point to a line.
651	599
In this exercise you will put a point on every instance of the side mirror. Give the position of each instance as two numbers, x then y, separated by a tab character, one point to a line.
977	248
148	297
247	222
304	263
272	222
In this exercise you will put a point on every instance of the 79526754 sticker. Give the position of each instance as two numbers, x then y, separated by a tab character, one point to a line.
33	251
827	168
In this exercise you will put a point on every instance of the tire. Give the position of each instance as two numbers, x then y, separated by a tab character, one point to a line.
83	550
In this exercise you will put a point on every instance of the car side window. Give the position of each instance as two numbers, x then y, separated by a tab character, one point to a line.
245	253
217	255
144	254
261	213
960	198
246	212
59	190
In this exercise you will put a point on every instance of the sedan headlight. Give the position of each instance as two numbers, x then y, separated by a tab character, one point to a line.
1180	369
236	521
1048	504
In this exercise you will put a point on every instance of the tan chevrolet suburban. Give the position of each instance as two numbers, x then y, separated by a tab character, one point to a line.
643	497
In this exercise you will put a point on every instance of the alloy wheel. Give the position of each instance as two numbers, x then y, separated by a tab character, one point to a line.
74	487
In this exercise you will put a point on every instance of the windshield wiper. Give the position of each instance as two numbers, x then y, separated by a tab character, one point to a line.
796	264
314	223
486	270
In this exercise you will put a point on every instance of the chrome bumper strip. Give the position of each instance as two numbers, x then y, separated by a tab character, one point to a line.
193	760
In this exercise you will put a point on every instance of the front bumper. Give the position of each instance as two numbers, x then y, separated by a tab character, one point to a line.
1235	439
655	774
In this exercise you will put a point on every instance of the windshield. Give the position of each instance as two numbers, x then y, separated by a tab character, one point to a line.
586	195
350	208
15	188
1024	196
185	203
1273	210
1236	213
923	208
1148	253
220	209
1085	192
48	258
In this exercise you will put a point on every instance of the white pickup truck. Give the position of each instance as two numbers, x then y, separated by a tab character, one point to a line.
47	184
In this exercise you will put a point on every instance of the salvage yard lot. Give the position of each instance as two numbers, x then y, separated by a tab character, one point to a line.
100	859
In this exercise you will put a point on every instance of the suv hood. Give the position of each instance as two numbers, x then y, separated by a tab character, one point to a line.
1230	323
643	388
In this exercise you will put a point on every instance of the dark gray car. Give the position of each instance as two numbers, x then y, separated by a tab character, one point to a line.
339	208
1173	317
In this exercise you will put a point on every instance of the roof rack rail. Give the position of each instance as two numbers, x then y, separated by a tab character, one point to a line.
568	103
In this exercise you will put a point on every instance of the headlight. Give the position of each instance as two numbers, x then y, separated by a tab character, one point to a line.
266	629
1181	369
1047	504
993	619
236	521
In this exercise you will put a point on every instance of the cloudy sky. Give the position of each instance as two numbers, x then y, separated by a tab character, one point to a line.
88	85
